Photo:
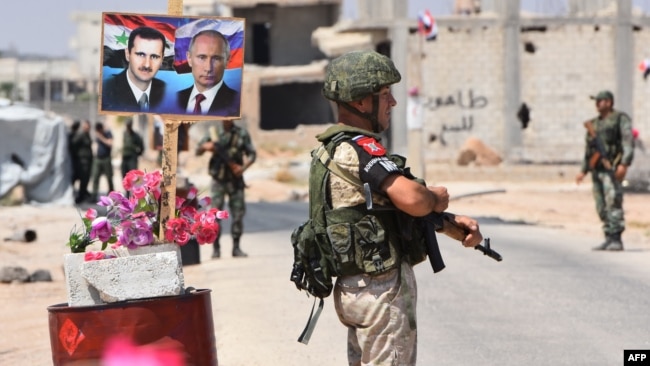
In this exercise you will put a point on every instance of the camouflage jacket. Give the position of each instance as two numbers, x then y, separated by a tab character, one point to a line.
615	133
133	146
230	146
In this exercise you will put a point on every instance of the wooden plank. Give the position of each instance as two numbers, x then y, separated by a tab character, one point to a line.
169	152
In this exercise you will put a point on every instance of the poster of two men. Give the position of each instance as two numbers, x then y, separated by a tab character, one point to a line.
186	67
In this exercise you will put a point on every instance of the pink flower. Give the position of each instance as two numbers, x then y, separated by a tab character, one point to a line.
134	182
152	181
178	231
191	194
204	202
101	229
205	233
93	256
187	212
91	214
221	215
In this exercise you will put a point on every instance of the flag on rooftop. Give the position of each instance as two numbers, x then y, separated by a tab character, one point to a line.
118	27
427	25
644	67
232	29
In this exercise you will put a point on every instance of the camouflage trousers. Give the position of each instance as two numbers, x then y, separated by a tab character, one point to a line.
128	163
102	166
380	313
608	195
236	204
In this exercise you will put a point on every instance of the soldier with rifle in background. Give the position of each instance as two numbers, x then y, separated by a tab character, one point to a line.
232	153
608	153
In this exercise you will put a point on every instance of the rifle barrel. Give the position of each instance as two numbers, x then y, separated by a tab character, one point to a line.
489	251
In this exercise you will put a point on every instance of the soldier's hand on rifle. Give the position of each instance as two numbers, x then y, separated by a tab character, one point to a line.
206	146
621	171
441	198
237	169
473	235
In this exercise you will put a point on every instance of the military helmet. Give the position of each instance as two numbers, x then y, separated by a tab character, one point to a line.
357	74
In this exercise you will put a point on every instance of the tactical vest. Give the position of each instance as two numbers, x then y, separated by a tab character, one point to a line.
348	241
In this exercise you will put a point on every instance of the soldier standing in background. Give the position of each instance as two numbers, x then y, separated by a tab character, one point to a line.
73	157
613	134
82	159
232	153
132	148
102	162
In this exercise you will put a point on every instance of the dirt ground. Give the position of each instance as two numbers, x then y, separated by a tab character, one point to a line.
24	338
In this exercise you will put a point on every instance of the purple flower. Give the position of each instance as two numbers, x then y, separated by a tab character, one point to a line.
101	229
135	233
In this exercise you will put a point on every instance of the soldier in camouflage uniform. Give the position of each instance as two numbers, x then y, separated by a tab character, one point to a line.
102	164
614	130
82	148
132	148
379	307
232	153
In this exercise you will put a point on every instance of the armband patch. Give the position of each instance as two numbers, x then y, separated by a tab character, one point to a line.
370	145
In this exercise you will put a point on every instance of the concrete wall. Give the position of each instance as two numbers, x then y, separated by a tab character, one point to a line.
462	88
290	30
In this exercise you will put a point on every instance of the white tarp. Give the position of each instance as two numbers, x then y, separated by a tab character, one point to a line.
39	139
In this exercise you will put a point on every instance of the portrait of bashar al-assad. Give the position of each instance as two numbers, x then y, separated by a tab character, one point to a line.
136	89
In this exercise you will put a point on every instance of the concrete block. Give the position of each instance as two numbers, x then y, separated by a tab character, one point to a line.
150	271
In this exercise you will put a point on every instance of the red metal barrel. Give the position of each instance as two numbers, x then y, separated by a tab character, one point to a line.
79	333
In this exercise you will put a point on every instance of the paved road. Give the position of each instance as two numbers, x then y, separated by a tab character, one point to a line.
551	301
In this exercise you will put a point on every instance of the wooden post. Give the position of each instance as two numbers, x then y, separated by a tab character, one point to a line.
169	152
175	7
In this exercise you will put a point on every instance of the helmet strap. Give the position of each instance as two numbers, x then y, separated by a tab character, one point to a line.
372	117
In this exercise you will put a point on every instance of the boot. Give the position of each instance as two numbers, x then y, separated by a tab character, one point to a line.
216	253
236	251
604	245
615	243
612	242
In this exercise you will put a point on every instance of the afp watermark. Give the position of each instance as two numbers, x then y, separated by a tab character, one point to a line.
636	357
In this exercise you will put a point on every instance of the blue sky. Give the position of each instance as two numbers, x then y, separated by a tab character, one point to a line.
44	26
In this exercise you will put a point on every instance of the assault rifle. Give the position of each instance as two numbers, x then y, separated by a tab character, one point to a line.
221	154
435	223
601	154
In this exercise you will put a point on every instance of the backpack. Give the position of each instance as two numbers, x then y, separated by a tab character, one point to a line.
313	266
314	263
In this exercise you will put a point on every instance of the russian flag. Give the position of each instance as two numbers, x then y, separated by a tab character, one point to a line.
232	29
427	25
118	27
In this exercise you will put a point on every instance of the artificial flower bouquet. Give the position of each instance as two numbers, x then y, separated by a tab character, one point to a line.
133	220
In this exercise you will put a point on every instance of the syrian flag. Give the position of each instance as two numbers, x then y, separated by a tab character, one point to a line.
118	27
427	25
232	29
